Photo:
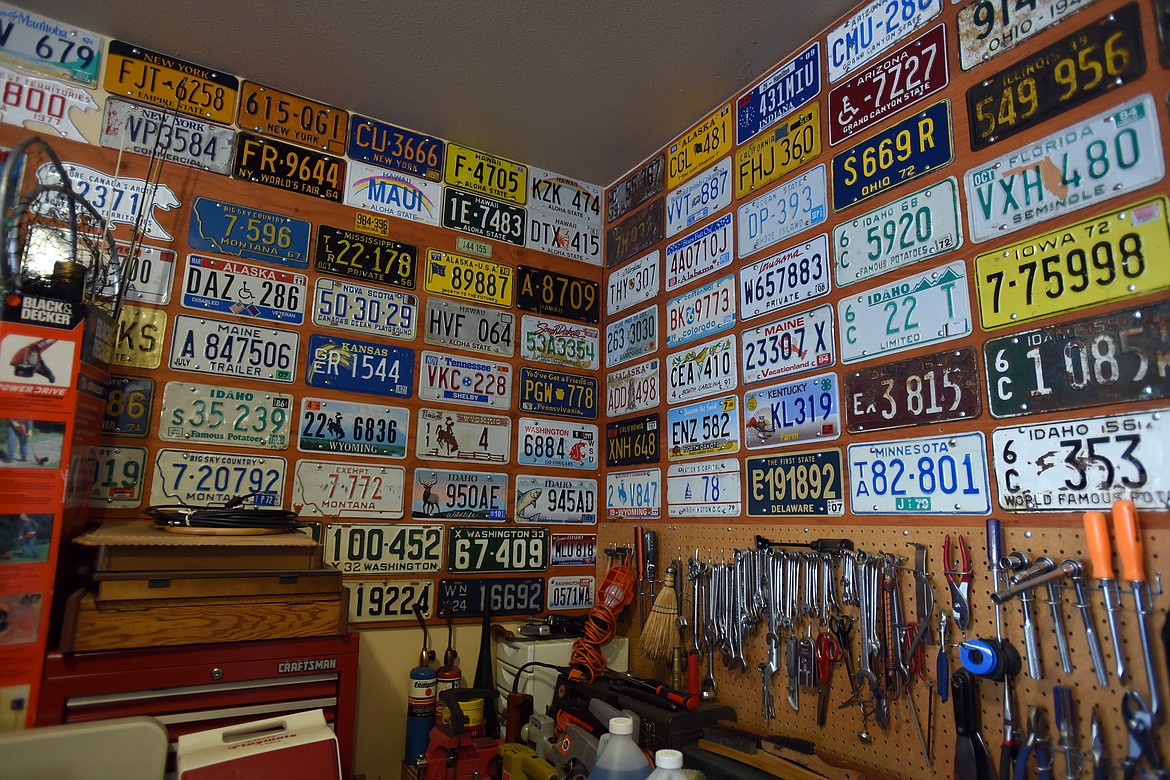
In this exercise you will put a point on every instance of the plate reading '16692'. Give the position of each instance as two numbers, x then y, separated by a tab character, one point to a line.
710	488
222	286
502	596
361	308
780	93
988	29
365	258
168	82
870	30
703	429
633	495
213	478
330	489
799	273
633	284
933	475
359	366
794	142
470	278
556	392
484	216
792	413
783	211
208	346
555	500
799	342
227	416
470	437
459	495
288	167
631	336
699	198
459	380
369	548
633	389
632	441
492	549
470	327
242	231
918	391
351	428
556	443
703	370
558	295
709	140
797	483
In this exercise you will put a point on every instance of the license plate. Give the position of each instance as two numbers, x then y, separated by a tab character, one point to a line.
1116	358
383	601
912	73
1095	59
708	489
804	410
242	231
634	190
44	101
796	484
795	141
507	596
703	429
919	391
379	225
988	29
556	443
118	478
140	337
558	295
350	428
150	276
783	211
459	380
701	312
573	550
440	494
324	488
480	215
396	194
129	406
380	548
486	174
633	441
1162	23
703	370
486	549
543	499
699	198
553	193
470	327
564	237
469	437
927	308
794	275
633	495
700	253
565	593
178	139
50	47
396	148
932	475
560	343
914	147
1104	157
632	284
469	278
360	308
632	389
1074	465
288	167
226	416
212	479
780	93
244	290
365	258
279	114
559	393
125	200
709	140
870	30
636	234
796	343
1110	257
917	227
171	83
207	346
359	366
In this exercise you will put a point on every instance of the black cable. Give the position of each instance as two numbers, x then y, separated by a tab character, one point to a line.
227	516
542	664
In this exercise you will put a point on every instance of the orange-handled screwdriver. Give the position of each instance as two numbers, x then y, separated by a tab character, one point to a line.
1132	554
1101	554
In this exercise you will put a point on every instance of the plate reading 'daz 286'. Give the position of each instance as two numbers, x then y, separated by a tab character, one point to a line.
558	295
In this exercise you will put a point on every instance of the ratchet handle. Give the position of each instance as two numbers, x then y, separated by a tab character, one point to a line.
994	542
1129	540
1100	548
650	546
693	672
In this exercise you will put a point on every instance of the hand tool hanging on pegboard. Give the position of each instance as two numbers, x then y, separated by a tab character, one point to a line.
972	761
1139	724
1066	726
1036	745
1132	552
1101	556
1017	562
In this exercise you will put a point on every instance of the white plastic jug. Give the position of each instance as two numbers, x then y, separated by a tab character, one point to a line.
618	756
668	765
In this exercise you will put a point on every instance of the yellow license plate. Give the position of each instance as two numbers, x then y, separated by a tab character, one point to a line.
705	142
486	174
290	117
793	142
168	82
372	224
139	337
1116	255
469	278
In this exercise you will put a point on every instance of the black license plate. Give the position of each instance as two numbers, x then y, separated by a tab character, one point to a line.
506	596
1108	359
636	440
641	231
558	295
634	190
484	216
287	167
361	256
798	483
129	401
555	392
919	391
487	548
1096	58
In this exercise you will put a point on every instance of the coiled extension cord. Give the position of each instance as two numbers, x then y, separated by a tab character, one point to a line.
230	515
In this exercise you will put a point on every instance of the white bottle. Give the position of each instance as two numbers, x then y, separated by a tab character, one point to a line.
669	763
618	756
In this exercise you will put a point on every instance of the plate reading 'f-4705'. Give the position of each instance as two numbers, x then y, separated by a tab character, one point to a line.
795	483
359	366
799	273
460	380
227	416
918	391
709	488
557	295
555	500
441	494
365	258
350	428
557	392
329	489
796	343
705	369
470	327
486	174
469	437
933	475
469	278
805	410
633	495
556	443
208	346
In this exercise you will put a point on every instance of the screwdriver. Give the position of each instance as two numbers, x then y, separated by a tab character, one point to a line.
1101	554
1132	553
1008	747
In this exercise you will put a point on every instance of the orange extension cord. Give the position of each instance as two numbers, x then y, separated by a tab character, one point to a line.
586	662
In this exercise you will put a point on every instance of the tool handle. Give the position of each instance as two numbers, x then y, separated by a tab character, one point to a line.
678	697
640	551
965	702
1100	548
994	542
650	545
1129	540
693	672
1007	758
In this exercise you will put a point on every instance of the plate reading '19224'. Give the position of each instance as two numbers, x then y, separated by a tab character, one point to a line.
768	158
365	258
168	82
636	234
213	478
379	548
703	370
227	416
280	114
633	389
804	410
556	443
350	428
464	380
470	278
222	286
555	500
560	343
785	210
184	140
870	30
798	342
288	167
708	488
359	366
396	148
699	198
933	475
486	174
780	93
703	429
495	549
242	231
799	273
796	483
557	392
484	216
701	312
634	283
699	253
470	437
638	187
384	601
633	495
502	596
208	346
632	441
441	494
632	336
988	29
558	295
918	391
330	489
470	327
709	140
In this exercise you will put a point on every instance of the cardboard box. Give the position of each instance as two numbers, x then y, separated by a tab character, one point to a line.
294	747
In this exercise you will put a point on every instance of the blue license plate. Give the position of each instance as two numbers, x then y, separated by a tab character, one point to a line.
472	596
780	93
359	366
797	483
129	401
242	231
555	392
395	148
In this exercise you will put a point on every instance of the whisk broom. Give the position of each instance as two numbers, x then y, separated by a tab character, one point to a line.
659	630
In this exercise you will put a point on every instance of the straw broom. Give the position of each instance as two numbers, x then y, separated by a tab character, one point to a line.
658	633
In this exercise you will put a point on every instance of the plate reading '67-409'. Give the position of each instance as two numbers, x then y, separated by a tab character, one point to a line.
796	483
477	549
934	475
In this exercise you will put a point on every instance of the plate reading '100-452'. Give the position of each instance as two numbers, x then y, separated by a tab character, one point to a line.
380	548
933	475
919	391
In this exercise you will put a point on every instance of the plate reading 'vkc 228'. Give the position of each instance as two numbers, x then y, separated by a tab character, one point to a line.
365	258
556	443
987	29
783	211
799	273
227	416
634	190
350	428
288	167
168	82
870	30
465	380
933	475
631	336
796	343
768	158
556	392
330	489
495	549
632	441
709	488
221	286
243	231
459	495
636	234
558	295
470	278
709	140
208	346
805	410
919	391
470	327
703	429
480	215
486	174
396	148
703	370
633	495
359	366
797	483
280	114
470	437
505	596
780	93
555	500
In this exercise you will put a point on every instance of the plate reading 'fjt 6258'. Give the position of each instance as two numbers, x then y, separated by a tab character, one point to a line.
799	273
705	369
631	336
365	258
242	231
208	346
780	93
871	29
634	283
228	416
988	29
359	366
168	82
361	308
379	548
470	327
557	392
796	483
346	427
493	549
933	475
792	413
633	389
441	494
634	440
555	500
460	380
920	391
792	206
221	286
469	437
470	278
708	488
330	489
798	342
560	343
703	429
213	478
557	443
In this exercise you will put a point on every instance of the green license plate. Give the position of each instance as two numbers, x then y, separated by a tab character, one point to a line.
475	549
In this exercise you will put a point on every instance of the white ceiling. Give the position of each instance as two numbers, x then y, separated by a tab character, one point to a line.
585	89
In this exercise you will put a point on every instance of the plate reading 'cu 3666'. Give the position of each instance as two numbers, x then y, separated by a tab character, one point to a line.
796	483
395	148
364	257
919	391
557	295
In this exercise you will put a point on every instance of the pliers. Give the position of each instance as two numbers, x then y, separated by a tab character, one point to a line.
959	580
1138	722
1101	767
1036	744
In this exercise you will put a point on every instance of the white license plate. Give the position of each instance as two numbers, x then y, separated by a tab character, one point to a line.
804	410
560	343
633	283
45	45
633	389
799	273
933	475
384	192
632	336
470	327
799	342
697	254
383	601
557	194
869	31
559	443
151	275
227	416
988	29
118	478
927	308
1104	157
701	371
213	478
558	235
573	550
1076	465
708	489
701	312
207	346
129	127
382	548
348	427
470	437
324	488
703	429
570	593
633	495
795	205
909	230
119	199
441	494
702	196
255	292
555	500
460	380
361	308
